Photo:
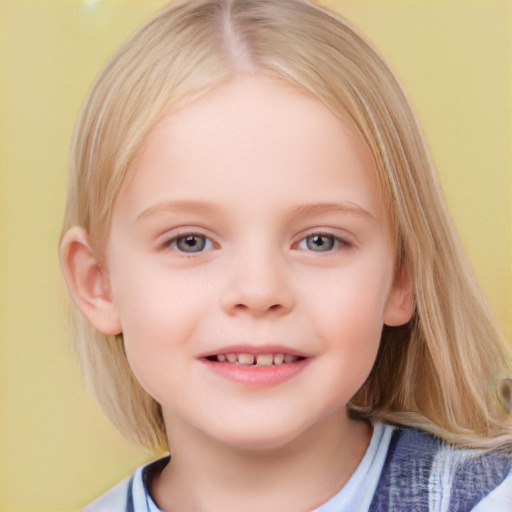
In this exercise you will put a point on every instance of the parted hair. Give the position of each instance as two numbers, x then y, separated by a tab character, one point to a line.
437	372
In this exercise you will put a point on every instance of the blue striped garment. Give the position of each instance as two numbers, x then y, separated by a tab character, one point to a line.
404	470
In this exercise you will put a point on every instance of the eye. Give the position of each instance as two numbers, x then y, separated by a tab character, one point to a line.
320	243
191	243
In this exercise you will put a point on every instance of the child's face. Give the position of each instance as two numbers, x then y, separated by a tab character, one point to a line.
252	224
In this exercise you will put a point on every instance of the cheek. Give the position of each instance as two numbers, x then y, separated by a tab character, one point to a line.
159	314
350	327
348	316
149	296
352	299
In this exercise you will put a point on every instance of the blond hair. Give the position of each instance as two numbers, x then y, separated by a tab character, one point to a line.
437	372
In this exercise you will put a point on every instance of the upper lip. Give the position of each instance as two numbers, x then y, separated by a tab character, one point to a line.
255	350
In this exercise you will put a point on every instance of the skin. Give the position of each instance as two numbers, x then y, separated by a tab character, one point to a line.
252	171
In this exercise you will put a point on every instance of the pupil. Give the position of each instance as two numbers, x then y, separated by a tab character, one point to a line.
191	243
320	243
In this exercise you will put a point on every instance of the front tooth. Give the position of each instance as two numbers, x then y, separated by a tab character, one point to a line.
278	359
290	359
245	359
231	358
264	360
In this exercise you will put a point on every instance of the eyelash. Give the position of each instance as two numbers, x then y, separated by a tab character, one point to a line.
336	243
173	243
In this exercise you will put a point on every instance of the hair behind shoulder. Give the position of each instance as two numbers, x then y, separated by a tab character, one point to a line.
436	373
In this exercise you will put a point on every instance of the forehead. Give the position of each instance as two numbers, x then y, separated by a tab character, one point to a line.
251	140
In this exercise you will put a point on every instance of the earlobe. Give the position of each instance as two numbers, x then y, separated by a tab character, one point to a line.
87	282
400	304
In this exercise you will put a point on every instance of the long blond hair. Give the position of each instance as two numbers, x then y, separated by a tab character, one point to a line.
437	372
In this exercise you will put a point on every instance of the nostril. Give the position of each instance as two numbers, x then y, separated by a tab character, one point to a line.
256	299
246	307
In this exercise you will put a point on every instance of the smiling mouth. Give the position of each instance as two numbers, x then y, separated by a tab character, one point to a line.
260	360
256	368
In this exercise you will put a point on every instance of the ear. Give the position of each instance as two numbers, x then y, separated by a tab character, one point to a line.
87	282
400	304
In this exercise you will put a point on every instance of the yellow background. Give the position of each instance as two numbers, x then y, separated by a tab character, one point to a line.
57	451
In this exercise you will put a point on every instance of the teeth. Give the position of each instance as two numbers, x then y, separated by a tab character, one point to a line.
259	360
245	359
278	359
264	360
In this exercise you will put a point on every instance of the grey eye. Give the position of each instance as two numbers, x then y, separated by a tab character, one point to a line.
321	243
190	243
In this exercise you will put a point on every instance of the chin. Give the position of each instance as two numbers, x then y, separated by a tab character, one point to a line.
260	439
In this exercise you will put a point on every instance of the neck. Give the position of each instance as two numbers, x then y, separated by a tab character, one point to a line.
206	475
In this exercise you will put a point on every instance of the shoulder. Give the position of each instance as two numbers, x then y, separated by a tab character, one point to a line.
130	494
423	473
113	500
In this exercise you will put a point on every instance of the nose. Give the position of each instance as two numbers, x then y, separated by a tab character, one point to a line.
258	284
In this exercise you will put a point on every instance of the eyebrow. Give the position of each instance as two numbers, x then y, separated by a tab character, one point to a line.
333	206
209	208
178	206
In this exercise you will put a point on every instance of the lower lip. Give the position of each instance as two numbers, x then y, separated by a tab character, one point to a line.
257	376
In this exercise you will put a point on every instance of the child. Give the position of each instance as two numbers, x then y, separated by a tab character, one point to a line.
268	279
